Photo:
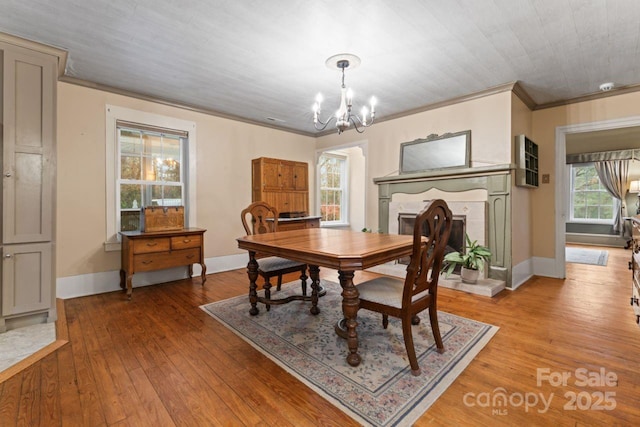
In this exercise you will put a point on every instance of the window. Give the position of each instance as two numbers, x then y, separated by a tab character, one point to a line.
150	159
590	201
333	189
150	172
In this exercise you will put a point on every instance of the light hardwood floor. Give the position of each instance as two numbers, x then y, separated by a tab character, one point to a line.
160	361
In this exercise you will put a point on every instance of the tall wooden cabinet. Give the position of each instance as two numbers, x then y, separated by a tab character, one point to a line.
27	137
283	184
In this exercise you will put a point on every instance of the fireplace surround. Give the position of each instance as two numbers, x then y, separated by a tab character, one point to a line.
496	180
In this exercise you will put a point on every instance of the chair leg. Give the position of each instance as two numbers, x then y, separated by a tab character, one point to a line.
385	321
408	343
303	280
267	291
279	282
433	317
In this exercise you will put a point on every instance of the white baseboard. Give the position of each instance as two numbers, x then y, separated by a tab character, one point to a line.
109	281
521	273
547	267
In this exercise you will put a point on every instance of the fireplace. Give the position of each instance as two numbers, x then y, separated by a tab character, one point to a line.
482	193
456	241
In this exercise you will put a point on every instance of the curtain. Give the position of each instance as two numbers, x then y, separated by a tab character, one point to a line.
614	175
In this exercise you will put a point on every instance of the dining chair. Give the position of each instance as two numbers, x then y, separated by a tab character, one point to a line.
259	218
406	298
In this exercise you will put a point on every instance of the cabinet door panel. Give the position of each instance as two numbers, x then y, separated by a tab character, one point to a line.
28	117
270	175
26	278
300	177
286	175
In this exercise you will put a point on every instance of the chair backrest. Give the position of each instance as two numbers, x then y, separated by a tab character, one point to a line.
430	236
263	218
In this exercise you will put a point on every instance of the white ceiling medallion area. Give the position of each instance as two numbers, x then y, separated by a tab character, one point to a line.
344	117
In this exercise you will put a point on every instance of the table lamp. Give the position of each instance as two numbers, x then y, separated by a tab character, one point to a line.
634	187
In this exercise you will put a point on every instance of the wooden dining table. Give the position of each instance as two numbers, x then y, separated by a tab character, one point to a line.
342	250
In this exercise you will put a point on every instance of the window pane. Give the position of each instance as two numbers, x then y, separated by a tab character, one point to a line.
592	212
130	220
130	142
590	200
130	196
152	144
168	170
129	167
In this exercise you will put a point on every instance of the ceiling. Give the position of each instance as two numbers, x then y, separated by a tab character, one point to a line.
264	62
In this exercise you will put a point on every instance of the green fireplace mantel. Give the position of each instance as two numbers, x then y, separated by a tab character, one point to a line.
496	180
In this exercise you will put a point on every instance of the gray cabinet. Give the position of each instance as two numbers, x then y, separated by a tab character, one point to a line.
28	175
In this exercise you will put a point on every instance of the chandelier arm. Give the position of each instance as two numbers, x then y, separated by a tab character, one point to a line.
324	124
359	129
356	117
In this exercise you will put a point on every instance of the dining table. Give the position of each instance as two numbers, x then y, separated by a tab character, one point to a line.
342	250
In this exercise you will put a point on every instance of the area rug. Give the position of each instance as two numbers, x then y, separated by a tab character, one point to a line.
381	391
587	256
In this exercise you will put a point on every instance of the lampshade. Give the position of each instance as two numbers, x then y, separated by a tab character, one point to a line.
634	187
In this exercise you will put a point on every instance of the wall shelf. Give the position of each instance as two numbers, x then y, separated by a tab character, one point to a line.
526	162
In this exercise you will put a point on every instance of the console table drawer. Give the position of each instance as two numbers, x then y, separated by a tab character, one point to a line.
184	242
157	261
144	246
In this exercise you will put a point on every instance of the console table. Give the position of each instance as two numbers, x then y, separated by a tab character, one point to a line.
148	251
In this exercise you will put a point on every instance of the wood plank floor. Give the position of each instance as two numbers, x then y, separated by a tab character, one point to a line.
160	361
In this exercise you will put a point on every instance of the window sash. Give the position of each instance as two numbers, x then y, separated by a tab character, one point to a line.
333	198
155	163
589	207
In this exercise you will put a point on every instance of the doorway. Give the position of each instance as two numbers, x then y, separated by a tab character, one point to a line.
562	179
357	178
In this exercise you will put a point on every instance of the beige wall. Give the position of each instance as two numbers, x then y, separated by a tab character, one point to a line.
224	152
487	117
521	231
225	148
545	123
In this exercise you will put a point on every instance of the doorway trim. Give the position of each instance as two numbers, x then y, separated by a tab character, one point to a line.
562	191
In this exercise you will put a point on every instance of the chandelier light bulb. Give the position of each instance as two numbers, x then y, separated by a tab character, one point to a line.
319	98
364	113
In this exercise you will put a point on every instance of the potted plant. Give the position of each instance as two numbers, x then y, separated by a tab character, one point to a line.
472	261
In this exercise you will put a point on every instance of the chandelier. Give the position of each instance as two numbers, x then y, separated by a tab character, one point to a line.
344	117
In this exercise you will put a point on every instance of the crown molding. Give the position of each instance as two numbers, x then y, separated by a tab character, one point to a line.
590	97
172	103
457	100
522	94
60	53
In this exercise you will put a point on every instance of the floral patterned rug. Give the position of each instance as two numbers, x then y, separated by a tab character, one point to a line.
379	392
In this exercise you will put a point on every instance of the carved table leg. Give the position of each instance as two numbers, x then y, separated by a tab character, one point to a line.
314	273
350	305
123	279
203	275
252	272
